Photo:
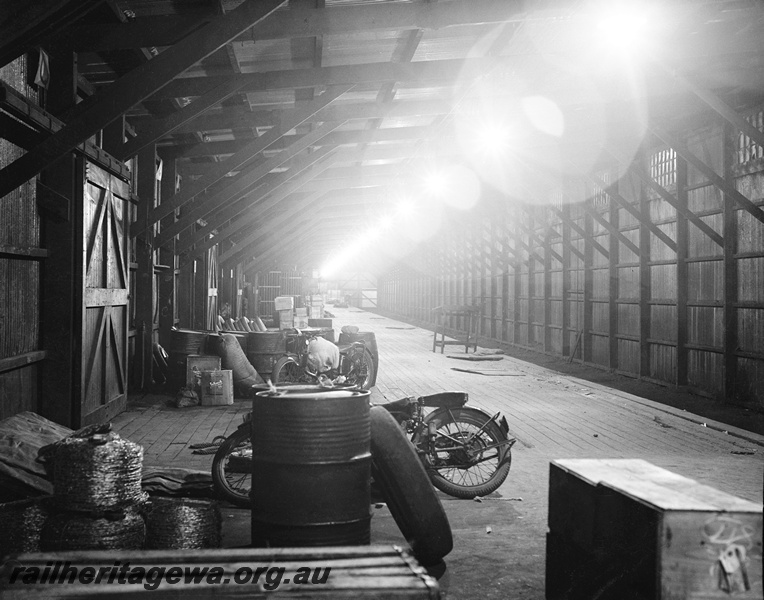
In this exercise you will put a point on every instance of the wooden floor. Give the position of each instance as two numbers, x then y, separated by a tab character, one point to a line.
553	415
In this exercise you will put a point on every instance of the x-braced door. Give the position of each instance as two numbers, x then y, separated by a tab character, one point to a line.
105	295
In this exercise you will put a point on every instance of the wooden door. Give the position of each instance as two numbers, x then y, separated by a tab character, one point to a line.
103	376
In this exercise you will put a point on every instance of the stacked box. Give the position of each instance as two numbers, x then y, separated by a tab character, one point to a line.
286	319
217	388
196	364
284	303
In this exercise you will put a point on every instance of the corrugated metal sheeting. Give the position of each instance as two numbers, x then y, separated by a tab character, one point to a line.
686	309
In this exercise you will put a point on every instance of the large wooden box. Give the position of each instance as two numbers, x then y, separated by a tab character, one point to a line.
196	364
628	529
351	572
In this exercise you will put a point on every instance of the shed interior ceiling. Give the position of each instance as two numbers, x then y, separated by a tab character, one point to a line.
420	78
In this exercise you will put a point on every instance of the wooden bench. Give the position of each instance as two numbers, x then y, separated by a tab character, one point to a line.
626	529
471	316
353	572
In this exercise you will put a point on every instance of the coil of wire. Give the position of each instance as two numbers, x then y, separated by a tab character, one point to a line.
182	523
121	530
21	524
97	473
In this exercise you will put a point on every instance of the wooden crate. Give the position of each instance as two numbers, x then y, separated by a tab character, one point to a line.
198	363
639	531
380	572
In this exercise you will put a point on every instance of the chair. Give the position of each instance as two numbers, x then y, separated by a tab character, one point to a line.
469	338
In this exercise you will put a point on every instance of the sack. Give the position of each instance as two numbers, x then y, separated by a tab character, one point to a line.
186	397
323	355
234	359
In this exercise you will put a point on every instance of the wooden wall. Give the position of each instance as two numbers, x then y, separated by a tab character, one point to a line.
20	256
660	277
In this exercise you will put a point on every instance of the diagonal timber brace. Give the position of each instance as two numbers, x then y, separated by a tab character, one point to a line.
725	186
288	121
101	109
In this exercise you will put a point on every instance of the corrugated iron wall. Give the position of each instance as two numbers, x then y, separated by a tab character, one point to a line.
657	274
19	276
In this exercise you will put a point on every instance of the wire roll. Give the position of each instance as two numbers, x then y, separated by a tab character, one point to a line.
98	473
21	524
182	523
75	531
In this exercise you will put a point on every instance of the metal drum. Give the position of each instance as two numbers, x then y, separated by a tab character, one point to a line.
310	467
183	342
264	348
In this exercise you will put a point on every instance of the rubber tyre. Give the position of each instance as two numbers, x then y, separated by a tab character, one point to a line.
412	501
365	363
238	497
475	418
287	370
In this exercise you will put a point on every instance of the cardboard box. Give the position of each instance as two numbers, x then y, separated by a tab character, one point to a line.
284	303
196	364
678	538
301	312
301	322
217	388
286	319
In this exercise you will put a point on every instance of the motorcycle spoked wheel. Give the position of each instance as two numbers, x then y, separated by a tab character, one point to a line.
287	370
412	501
358	369
232	468
477	469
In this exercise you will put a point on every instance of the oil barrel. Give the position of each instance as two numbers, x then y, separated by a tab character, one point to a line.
310	467
264	348
183	342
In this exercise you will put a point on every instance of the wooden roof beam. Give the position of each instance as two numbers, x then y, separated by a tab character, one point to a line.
245	120
270	197
276	188
302	22
24	24
248	181
155	130
717	104
422	72
289	121
336	138
101	109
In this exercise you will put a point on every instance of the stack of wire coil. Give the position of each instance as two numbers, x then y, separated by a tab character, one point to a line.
21	524
98	496
182	524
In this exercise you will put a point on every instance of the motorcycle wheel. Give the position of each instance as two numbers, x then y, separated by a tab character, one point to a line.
287	370
358	369
407	490
232	468
473	470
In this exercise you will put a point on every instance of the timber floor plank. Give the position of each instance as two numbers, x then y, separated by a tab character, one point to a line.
555	412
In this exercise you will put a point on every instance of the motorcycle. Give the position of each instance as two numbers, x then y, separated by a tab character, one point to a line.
356	366
465	452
